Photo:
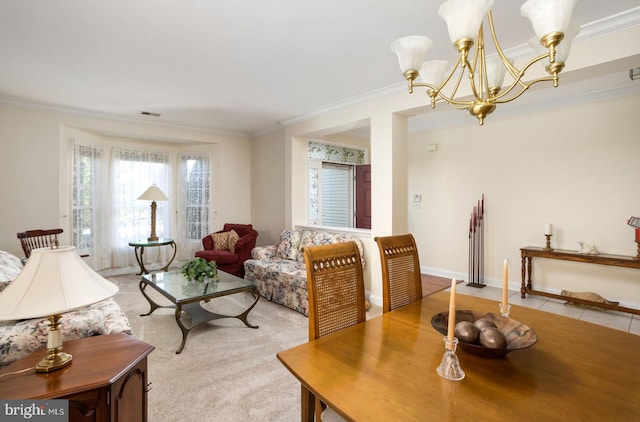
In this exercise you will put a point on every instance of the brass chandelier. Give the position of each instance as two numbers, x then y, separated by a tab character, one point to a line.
551	23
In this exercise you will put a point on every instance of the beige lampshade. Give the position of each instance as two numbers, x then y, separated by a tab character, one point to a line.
153	194
53	281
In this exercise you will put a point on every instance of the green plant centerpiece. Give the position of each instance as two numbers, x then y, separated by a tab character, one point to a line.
199	269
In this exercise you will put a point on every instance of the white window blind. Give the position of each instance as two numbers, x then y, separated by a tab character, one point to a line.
337	195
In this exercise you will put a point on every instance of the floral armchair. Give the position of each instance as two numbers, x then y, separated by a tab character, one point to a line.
229	247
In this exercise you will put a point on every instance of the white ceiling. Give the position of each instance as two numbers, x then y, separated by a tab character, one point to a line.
233	66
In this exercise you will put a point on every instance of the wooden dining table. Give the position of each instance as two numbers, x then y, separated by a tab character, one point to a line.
384	369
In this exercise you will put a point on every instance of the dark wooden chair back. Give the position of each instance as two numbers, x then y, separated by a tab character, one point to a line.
33	239
401	278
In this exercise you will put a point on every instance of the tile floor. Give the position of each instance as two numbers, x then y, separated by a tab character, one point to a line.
618	320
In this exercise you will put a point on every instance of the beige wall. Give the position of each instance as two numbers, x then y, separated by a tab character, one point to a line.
33	164
574	167
268	187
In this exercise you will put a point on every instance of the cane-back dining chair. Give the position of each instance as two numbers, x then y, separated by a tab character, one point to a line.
33	239
335	283
401	278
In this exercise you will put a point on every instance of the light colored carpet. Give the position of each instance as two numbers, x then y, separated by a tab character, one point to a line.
227	371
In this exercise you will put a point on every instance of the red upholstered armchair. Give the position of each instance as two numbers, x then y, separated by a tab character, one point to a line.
228	251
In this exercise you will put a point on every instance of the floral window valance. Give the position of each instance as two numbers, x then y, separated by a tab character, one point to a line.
335	153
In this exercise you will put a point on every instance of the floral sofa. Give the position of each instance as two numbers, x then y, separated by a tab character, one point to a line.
279	271
20	338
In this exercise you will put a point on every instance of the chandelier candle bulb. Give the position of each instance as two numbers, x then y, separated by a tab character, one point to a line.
452	314
505	282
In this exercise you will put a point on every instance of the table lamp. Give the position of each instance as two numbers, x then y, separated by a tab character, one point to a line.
53	281
153	194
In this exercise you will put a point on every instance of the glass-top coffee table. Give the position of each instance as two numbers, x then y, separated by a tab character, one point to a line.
186	296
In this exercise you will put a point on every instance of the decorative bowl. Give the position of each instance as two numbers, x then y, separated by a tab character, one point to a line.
518	335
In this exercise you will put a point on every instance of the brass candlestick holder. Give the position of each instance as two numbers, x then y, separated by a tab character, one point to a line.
638	253
548	245
449	367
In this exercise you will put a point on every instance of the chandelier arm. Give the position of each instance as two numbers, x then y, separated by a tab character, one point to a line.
516	74
525	87
442	97
484	80
512	69
454	91
458	80
478	53
437	91
451	73
519	81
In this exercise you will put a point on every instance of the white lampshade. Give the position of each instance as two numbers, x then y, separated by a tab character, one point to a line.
153	194
548	16
411	51
433	72
463	17
53	281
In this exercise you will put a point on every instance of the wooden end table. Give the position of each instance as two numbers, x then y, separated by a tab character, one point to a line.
106	381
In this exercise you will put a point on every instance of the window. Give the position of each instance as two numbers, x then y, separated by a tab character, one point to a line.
132	173
85	203
106	180
194	199
331	184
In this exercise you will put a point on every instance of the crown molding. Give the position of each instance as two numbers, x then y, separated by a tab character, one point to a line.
56	108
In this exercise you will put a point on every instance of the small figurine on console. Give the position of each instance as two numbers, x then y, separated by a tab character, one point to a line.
587	248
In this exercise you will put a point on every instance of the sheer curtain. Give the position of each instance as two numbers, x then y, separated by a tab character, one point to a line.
132	173
86	204
193	202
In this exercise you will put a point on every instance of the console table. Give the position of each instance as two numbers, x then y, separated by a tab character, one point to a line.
139	246
529	252
107	380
